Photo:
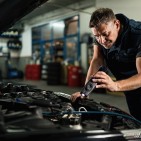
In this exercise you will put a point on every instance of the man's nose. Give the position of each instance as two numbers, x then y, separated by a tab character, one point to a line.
103	39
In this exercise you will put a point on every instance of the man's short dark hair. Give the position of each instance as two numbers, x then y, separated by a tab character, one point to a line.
101	15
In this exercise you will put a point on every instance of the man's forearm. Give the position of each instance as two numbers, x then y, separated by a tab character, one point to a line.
131	83
92	70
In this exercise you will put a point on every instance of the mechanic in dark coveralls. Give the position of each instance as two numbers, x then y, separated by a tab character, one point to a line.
117	42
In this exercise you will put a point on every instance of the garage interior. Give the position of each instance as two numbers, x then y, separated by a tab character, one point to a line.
35	42
50	48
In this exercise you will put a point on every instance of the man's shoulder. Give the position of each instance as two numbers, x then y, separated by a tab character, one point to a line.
133	25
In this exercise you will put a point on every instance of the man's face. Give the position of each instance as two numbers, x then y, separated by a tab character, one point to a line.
106	34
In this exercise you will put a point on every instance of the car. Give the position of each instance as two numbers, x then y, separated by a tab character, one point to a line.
29	113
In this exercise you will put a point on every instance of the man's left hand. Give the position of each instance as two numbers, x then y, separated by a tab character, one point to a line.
103	80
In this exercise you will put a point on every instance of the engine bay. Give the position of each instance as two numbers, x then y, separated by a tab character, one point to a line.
28	112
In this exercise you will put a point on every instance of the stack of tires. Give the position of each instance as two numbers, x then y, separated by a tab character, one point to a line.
53	73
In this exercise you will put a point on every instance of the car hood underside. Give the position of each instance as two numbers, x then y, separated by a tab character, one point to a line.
12	11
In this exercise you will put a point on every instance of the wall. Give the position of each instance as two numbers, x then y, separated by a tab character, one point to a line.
130	8
26	42
84	28
84	20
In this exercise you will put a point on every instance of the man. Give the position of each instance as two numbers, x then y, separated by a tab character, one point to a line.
117	43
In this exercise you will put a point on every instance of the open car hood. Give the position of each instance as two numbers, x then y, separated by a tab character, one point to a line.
12	11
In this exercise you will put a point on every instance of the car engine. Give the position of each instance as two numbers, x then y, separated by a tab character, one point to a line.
30	113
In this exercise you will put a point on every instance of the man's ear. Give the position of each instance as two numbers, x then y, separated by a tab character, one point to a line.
117	23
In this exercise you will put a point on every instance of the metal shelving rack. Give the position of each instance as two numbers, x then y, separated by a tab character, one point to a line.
57	41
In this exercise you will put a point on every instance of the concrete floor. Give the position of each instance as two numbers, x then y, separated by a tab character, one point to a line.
111	99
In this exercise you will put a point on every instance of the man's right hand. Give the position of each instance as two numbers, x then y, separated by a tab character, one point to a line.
76	95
